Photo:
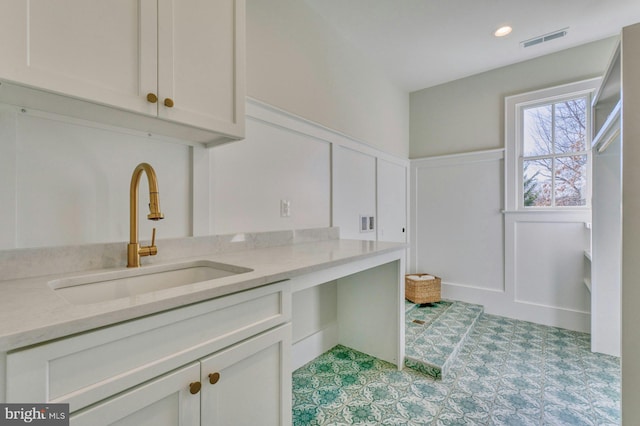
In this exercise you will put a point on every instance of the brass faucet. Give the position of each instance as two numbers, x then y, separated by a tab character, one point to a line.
134	251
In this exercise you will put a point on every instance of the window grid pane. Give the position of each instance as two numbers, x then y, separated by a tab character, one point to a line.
570	180
550	177
538	183
570	118
538	131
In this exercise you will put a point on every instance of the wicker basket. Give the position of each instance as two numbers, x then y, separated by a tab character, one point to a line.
422	291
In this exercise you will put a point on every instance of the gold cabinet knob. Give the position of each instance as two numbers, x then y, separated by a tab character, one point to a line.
152	98
213	378
168	102
194	387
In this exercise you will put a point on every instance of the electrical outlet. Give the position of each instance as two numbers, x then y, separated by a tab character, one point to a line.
364	223
285	208
367	223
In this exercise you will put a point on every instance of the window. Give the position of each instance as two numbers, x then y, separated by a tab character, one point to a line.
548	148
555	154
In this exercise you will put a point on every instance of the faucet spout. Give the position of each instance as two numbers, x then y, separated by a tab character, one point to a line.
134	251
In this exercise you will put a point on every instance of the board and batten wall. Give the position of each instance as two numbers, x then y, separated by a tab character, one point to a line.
523	265
328	178
66	181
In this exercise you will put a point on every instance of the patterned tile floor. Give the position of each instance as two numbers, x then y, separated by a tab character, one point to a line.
508	373
434	342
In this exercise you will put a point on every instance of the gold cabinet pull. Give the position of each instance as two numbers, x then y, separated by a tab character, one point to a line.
194	387
213	378
152	98
168	102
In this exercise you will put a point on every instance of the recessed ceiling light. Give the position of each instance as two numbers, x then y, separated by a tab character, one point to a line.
503	31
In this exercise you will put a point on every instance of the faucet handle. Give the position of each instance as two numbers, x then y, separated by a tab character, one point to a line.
150	250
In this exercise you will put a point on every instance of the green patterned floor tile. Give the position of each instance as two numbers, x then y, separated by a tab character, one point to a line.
433	345
508	373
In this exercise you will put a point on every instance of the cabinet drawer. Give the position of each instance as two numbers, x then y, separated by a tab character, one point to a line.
89	367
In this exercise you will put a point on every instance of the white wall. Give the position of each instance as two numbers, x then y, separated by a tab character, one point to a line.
544	260
251	177
296	62
457	229
468	114
520	265
329	178
391	221
314	321
67	181
354	192
527	266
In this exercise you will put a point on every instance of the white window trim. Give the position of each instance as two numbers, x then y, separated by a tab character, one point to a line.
514	106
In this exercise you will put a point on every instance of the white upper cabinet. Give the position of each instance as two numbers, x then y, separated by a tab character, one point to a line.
199	63
102	51
177	61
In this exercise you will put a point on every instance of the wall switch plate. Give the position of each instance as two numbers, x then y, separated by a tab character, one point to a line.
285	208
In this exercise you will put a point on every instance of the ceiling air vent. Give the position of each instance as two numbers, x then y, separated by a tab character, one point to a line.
546	37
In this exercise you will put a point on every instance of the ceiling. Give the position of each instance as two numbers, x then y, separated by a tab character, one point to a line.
423	43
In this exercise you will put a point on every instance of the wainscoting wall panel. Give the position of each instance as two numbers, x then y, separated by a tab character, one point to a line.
354	193
249	178
548	267
457	222
524	265
391	221
328	177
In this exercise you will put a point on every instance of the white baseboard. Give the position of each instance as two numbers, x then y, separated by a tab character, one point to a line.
499	303
311	347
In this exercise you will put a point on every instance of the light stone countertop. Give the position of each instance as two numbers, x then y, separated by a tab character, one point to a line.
31	312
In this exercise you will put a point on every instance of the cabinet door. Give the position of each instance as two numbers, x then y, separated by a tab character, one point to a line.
201	63
103	51
251	382
165	401
392	201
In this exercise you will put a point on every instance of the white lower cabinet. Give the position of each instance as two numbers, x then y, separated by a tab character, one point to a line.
250	383
165	401
247	384
225	361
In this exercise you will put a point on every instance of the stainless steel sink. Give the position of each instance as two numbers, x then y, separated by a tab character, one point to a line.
105	286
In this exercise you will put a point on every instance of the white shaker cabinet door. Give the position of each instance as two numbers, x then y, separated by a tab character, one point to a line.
170	400
104	51
201	63
249	384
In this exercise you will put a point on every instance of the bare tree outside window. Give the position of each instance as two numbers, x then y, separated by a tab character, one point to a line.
554	163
